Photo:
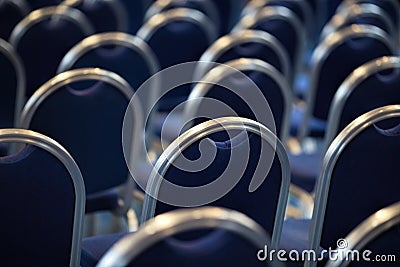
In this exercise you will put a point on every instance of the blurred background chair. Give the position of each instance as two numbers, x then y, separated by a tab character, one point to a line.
42	39
11	12
43	194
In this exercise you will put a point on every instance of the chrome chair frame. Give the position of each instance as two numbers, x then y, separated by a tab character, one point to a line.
54	148
199	131
96	74
220	72
229	41
179	221
333	153
323	50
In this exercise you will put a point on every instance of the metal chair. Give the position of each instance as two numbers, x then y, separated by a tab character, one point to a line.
11	12
183	175
235	241
88	122
43	194
44	37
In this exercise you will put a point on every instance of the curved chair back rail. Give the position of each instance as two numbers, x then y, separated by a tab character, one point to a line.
219	73
123	40
302	9
227	42
179	221
55	149
89	8
11	12
121	87
319	57
357	77
284	14
207	7
204	129
8	51
332	155
375	225
359	11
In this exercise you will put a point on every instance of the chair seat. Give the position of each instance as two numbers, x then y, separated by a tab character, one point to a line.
105	200
316	126
93	248
305	169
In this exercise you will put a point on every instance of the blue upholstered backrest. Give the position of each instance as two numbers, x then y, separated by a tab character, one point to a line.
229	13
294	6
260	205
100	14
366	171
8	91
10	15
37	203
89	124
35	4
43	46
339	64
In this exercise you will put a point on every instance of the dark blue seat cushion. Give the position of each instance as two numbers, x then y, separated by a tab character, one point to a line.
105	200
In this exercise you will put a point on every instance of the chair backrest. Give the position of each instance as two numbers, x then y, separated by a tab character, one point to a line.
223	173
348	48
282	23
36	4
245	99
379	234
11	12
369	14
205	6
43	196
88	122
176	36
97	11
372	85
236	240
42	39
12	80
229	13
249	44
359	163
130	57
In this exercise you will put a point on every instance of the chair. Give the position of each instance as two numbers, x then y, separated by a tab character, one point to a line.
247	44
36	4
129	57
282	23
229	13
379	234
97	11
205	6
236	240
44	37
88	122
43	197
176	36
349	170
347	48
11	12
196	170
368	14
136	11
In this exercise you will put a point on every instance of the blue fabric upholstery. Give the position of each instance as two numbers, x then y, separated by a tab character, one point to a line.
88	123
35	4
10	15
104	200
8	92
136	10
229	13
316	126
96	12
42	48
294	6
37	200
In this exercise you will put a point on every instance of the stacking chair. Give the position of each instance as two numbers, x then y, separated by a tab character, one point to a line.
229	13
235	242
176	36
12	80
207	7
136	11
88	121
248	44
379	234
356	180
348	48
246	172
43	196
283	24
36	4
105	15
368	14
44	37
11	12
